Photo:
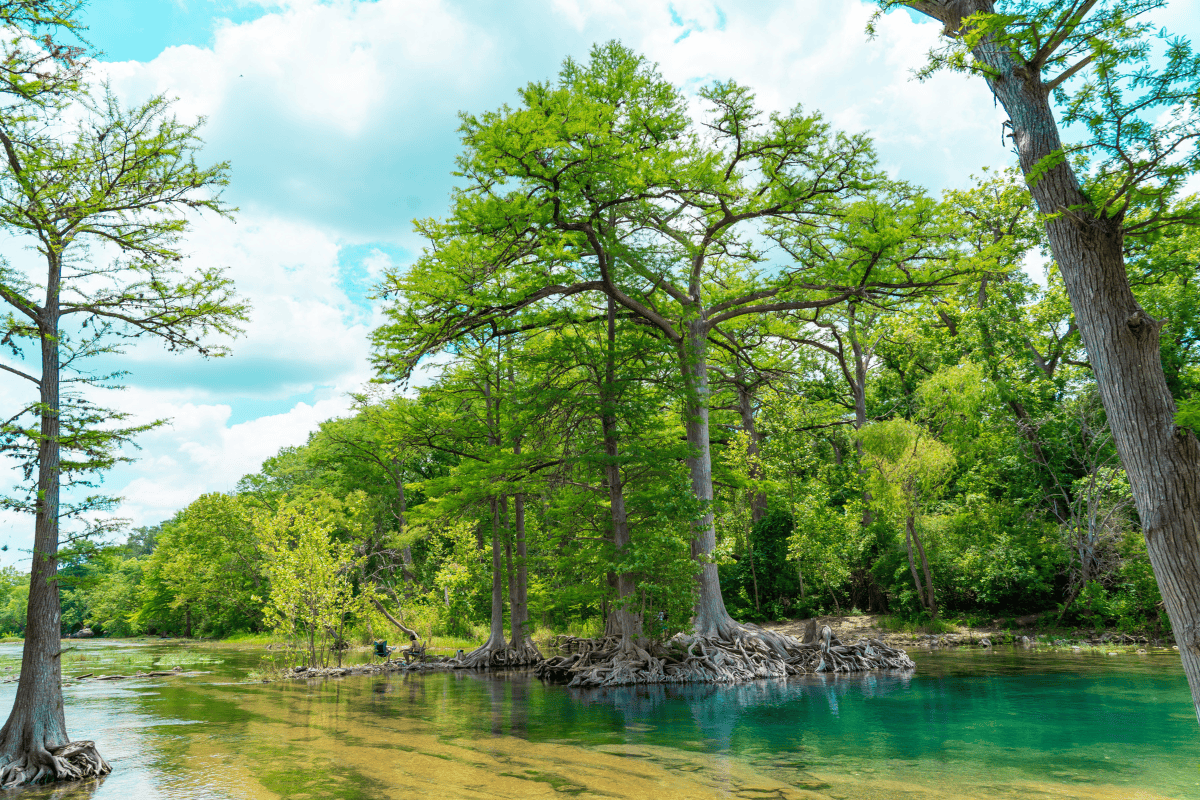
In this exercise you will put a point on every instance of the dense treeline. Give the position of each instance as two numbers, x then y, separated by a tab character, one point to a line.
647	326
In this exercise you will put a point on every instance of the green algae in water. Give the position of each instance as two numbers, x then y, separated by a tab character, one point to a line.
1004	724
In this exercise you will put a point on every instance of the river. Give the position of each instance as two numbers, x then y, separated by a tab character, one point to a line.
968	724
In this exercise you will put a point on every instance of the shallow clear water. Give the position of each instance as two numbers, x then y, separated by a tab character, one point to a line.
1006	724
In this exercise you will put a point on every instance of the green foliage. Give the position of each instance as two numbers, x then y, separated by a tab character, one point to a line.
910	467
886	360
14	599
764	581
204	572
311	573
659	557
462	580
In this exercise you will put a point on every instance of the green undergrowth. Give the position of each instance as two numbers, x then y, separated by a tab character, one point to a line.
895	624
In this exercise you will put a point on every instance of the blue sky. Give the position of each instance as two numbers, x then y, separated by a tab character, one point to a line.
340	118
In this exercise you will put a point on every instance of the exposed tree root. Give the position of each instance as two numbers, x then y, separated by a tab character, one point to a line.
498	656
749	654
70	762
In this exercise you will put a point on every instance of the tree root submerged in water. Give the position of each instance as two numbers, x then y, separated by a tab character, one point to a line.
750	653
70	762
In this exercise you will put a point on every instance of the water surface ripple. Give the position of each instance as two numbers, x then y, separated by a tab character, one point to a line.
1004	724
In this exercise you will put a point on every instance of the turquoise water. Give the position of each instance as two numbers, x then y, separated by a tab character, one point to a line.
1005	724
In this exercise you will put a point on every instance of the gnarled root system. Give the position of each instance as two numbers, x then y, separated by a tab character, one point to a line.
70	762
490	657
749	653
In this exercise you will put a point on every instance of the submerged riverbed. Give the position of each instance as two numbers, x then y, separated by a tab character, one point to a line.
967	724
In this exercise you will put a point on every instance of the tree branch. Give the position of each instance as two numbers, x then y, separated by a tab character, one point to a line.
21	374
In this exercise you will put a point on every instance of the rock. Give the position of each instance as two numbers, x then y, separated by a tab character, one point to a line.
1141	652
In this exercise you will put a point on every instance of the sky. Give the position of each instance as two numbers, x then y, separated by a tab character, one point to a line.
339	119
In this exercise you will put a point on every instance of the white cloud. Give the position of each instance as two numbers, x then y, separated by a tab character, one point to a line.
340	121
305	330
199	451
336	113
817	54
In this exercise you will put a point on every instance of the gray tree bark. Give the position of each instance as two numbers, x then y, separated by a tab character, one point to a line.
1121	339
624	621
712	619
758	498
34	738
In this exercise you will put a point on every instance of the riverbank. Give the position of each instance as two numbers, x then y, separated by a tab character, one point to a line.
851	628
968	722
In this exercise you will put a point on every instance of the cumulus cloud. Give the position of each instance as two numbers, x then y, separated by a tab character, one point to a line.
341	114
340	120
305	331
817	54
199	451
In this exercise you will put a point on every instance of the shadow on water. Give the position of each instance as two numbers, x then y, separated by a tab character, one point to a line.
989	725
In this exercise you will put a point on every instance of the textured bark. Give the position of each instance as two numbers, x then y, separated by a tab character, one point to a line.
519	603
496	639
712	620
522	650
495	647
495	650
623	621
33	740
509	566
924	589
411	633
1121	339
758	498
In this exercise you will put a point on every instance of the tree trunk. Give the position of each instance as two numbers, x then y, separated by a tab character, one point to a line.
519	611
910	533
930	599
496	639
624	620
758	498
711	617
858	390
495	645
1121	339
410	632
509	567
523	647
33	739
